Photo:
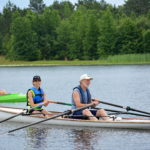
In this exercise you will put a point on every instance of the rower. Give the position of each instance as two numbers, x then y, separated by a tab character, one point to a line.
3	92
36	96
81	97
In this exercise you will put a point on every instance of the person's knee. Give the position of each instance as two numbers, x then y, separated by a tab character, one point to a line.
86	112
101	110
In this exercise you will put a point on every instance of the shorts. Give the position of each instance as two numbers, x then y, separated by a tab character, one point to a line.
79	114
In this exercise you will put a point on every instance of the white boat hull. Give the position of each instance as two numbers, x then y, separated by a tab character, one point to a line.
126	123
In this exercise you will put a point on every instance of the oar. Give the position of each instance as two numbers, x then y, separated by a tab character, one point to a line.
53	117
62	103
124	112
128	108
68	104
19	114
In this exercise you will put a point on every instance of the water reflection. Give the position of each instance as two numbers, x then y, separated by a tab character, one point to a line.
124	85
83	139
37	138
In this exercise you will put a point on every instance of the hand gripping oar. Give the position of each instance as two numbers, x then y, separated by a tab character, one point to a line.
53	117
19	113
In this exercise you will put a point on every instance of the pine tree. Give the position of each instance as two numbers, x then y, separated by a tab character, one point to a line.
37	5
139	7
24	41
107	33
146	41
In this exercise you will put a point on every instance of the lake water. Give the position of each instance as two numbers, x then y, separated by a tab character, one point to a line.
124	85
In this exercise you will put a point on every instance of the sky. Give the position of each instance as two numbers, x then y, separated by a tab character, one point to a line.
25	3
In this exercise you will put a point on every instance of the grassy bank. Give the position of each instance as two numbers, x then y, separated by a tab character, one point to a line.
117	59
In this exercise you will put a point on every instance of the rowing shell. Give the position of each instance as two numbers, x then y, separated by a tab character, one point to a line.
125	123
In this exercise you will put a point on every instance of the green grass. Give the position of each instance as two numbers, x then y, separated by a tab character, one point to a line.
130	59
117	59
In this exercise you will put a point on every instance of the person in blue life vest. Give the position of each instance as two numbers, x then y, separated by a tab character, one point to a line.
35	97
81	96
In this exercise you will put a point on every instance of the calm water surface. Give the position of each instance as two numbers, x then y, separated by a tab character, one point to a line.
125	85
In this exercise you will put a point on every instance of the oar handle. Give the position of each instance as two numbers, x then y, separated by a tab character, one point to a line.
50	101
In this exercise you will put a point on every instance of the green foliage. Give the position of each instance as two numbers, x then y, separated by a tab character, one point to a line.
92	4
37	5
129	37
24	41
87	30
1	49
64	8
91	37
63	38
139	7
146	41
6	44
107	32
46	25
78	22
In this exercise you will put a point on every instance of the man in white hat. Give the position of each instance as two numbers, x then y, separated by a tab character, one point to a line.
81	97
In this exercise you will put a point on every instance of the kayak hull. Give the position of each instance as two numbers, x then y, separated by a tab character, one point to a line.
13	97
126	123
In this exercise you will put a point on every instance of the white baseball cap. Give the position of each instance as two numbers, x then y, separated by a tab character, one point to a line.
85	77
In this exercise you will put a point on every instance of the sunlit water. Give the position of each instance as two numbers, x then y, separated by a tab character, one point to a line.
124	85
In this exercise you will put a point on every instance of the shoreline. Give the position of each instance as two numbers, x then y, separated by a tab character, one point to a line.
69	64
127	59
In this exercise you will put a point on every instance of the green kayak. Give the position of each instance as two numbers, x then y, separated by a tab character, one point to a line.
13	97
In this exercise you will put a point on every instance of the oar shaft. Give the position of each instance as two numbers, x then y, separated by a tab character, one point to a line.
128	113
67	112
115	105
62	103
119	106
19	114
140	111
125	107
11	117
53	117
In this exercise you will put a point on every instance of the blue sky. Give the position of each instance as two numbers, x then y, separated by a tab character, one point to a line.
25	3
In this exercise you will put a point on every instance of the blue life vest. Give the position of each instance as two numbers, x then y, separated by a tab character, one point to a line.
38	96
83	100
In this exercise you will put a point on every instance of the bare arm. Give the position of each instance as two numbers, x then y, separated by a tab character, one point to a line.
44	97
76	98
45	100
30	99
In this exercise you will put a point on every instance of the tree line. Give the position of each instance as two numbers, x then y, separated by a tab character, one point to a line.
86	30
